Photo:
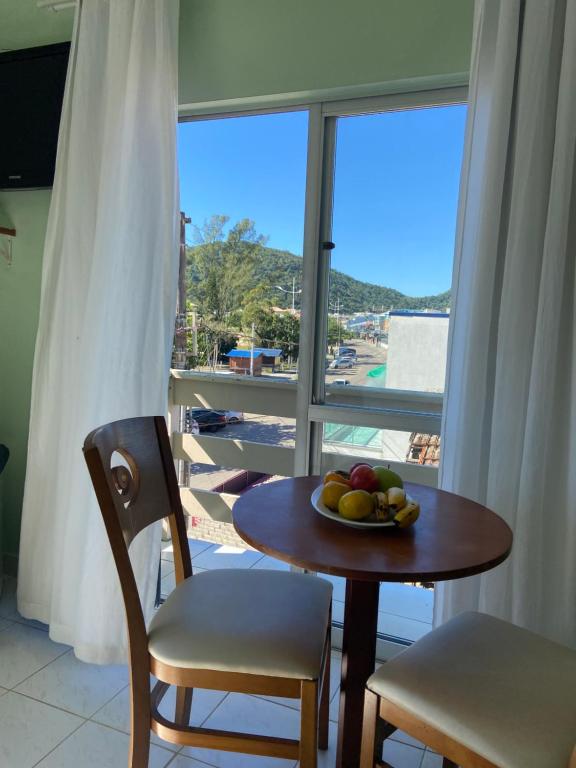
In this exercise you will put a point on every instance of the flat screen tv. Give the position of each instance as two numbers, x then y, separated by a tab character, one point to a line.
31	93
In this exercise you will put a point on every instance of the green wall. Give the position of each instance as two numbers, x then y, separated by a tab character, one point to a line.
24	25
232	49
19	305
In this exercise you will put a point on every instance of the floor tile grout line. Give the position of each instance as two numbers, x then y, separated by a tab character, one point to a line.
91	719
48	704
398	615
24	679
84	721
9	623
186	757
407	618
205	720
26	623
93	715
256	562
102	725
119	730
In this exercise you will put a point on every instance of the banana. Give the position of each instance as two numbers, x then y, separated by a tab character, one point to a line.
396	497
381	507
407	515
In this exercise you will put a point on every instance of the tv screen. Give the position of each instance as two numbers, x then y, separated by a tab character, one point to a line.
31	92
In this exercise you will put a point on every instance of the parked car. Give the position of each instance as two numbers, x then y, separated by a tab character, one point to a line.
346	351
233	417
207	419
342	362
341	382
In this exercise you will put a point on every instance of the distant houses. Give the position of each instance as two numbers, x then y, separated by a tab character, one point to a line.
264	358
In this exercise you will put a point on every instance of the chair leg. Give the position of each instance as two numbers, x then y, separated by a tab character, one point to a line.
309	724
324	713
183	705
371	750
139	733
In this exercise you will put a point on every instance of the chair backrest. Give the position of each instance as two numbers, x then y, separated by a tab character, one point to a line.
132	470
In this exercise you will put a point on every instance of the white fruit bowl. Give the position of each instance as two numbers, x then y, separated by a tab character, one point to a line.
322	509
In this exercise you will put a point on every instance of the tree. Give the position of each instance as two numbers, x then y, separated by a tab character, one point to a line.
212	344
221	266
272	329
286	329
336	332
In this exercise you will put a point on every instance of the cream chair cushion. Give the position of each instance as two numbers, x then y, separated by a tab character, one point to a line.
256	621
503	692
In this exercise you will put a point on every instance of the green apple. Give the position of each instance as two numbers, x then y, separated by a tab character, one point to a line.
387	478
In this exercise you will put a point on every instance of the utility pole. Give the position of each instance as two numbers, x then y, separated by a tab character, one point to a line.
337	308
252	350
179	357
195	336
293	292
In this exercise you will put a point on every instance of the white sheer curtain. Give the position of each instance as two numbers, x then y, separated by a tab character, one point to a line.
107	311
509	437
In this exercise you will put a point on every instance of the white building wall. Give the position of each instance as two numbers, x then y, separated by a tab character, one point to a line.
417	347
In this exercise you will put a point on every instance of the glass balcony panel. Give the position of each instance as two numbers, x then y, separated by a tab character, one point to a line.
382	445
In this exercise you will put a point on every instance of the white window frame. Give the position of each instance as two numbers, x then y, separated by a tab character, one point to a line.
409	411
314	401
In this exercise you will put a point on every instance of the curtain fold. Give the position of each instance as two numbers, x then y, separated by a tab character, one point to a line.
509	430
107	312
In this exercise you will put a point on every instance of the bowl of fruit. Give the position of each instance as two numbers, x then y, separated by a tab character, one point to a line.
365	497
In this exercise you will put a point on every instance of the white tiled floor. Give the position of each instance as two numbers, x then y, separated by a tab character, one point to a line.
57	712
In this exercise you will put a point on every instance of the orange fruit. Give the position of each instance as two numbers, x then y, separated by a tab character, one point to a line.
334	477
356	505
332	493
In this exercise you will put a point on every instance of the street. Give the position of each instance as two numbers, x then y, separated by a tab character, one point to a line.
369	356
272	430
277	430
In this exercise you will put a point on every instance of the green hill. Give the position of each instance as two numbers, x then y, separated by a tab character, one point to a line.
271	268
280	267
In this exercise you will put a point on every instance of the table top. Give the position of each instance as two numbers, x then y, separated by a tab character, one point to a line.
453	537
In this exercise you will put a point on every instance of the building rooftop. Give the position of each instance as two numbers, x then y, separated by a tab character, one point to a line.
257	352
414	313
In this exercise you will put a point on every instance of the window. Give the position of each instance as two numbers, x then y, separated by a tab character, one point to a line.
318	264
243	182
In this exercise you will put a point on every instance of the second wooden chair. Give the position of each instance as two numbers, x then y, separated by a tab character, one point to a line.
480	691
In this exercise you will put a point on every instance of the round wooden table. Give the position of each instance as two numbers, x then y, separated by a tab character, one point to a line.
454	537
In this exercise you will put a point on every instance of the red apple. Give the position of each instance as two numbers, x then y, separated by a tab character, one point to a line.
363	478
359	464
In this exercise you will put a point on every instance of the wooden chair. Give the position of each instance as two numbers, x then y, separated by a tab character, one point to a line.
250	631
481	692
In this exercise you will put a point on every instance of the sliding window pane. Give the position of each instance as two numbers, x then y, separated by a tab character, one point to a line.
243	187
394	216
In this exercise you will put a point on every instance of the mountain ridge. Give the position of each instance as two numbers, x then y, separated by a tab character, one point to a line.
277	267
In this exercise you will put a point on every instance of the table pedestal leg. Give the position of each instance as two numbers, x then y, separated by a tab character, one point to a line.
358	659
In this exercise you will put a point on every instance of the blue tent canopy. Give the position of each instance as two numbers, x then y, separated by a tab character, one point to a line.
257	352
242	353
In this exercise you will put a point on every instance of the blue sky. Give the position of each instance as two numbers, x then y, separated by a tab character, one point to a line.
396	187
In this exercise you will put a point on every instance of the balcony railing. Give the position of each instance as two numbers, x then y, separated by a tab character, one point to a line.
382	409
